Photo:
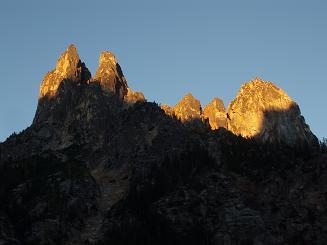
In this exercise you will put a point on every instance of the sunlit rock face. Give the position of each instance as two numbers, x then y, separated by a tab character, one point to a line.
215	112
188	109
132	97
110	75
168	110
69	66
263	111
71	99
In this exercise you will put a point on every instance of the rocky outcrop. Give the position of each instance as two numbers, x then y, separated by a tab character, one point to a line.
69	66
110	76
132	97
215	112
168	110
189	108
74	98
263	111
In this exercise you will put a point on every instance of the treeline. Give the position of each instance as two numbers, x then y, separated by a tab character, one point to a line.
323	145
256	159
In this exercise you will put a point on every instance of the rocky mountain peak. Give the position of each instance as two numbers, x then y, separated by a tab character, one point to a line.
69	66
273	95
215	112
107	57
110	75
67	61
262	110
189	108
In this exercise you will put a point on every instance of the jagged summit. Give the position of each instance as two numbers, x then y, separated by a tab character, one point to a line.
262	110
68	60
215	112
189	108
69	66
273	95
69	96
107	57
110	75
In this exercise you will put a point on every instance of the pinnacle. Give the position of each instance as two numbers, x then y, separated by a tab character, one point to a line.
107	64
189	96
110	76
72	50
68	61
217	103
69	66
69	54
189	99
215	112
107	56
188	108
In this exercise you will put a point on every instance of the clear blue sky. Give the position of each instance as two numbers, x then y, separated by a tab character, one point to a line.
168	48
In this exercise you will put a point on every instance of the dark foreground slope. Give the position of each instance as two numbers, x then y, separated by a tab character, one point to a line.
96	168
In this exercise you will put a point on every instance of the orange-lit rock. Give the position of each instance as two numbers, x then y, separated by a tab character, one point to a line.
132	97
264	111
168	110
188	108
110	75
215	112
69	66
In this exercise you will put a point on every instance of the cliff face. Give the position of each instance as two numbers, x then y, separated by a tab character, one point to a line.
188	109
69	66
260	111
100	165
215	111
110	76
263	111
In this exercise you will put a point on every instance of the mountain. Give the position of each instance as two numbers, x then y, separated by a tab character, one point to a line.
264	111
101	165
69	66
188	109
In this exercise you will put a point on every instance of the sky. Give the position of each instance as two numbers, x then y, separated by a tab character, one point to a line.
168	48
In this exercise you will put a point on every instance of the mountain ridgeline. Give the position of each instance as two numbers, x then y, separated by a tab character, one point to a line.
101	165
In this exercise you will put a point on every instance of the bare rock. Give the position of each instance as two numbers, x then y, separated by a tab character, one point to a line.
263	111
168	110
110	75
69	66
189	108
215	112
132	97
